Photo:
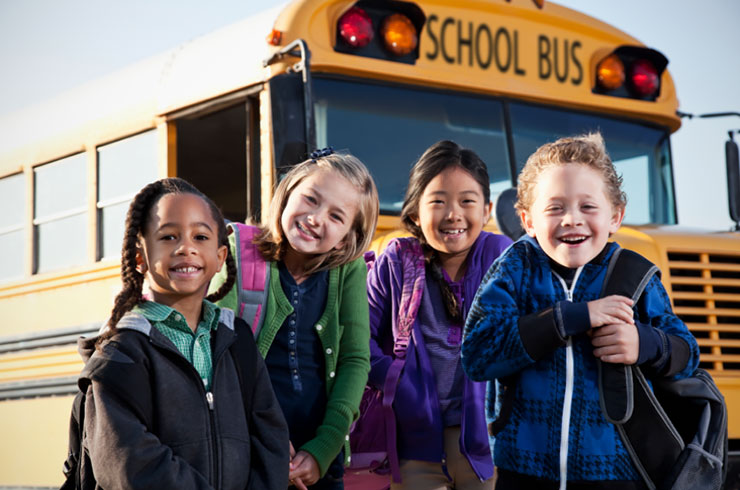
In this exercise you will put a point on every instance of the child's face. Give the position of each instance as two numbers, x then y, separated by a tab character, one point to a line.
180	252
571	216
452	212
319	213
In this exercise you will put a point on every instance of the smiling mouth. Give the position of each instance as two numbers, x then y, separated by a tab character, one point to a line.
189	269
456	231
573	240
306	230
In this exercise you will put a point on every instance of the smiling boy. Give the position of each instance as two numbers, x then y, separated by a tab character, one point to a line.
538	325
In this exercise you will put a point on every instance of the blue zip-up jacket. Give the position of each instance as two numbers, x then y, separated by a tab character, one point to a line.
517	330
418	414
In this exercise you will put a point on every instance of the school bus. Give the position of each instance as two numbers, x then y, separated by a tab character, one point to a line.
232	110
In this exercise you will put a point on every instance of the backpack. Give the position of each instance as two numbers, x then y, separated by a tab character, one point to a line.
77	467
676	432
373	436
252	277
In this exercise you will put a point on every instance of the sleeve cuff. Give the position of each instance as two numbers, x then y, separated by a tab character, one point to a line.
540	333
575	318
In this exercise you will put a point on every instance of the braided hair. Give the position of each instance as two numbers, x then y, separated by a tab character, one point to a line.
136	222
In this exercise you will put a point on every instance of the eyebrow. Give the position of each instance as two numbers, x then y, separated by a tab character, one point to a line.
192	225
444	193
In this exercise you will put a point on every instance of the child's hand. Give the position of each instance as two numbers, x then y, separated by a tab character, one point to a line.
612	309
304	470
617	343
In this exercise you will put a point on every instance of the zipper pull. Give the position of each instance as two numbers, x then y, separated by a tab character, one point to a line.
209	399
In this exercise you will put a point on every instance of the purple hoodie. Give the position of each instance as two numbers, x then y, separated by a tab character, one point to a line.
418	414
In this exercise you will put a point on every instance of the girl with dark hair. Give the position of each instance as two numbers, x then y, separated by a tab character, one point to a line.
169	403
440	419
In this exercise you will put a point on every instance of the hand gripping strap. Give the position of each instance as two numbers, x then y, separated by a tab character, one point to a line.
627	274
412	258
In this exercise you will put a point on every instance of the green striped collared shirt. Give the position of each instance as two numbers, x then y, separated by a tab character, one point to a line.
195	347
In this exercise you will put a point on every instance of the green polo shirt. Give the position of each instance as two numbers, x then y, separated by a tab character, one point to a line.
195	347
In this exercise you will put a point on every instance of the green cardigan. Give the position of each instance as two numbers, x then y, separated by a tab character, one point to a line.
344	330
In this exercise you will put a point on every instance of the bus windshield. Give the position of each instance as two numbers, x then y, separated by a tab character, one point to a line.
388	127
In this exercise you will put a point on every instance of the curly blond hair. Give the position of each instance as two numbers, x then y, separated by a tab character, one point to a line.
588	149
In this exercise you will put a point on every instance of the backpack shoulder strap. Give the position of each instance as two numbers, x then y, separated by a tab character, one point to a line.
627	274
253	276
240	349
412	289
626	398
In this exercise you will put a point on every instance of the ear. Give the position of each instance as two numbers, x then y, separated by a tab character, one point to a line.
487	209
527	223
616	220
415	219
222	253
141	267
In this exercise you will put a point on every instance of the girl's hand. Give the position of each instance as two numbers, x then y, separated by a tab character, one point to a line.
617	343
294	482
304	470
612	309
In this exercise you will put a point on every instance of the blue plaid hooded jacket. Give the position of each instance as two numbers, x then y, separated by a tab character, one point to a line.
516	331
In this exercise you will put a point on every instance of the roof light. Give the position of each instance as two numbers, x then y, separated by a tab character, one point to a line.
644	78
356	27
274	37
610	72
399	34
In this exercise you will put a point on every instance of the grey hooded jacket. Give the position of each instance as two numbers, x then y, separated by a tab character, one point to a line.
151	424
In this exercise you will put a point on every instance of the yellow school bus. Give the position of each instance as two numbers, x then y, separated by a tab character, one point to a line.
382	79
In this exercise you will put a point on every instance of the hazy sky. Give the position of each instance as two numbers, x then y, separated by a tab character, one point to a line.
48	46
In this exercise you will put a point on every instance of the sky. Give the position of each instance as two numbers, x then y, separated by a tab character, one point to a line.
49	46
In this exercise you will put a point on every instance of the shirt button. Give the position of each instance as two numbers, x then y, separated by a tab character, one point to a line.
328	351
295	301
295	293
291	341
331	374
292	322
346	438
178	317
319	328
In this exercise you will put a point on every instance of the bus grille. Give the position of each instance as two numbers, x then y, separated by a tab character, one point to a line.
706	296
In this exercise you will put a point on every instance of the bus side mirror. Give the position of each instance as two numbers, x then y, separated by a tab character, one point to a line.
733	180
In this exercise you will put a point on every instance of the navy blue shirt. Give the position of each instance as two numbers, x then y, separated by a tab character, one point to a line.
295	360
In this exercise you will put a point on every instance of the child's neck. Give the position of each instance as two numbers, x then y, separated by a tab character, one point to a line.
295	263
453	264
189	307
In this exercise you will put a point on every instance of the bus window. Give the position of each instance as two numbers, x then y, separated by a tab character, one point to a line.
212	155
389	127
124	167
638	151
60	213
12	239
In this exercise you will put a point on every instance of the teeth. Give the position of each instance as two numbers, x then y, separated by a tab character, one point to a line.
306	230
573	239
453	232
186	270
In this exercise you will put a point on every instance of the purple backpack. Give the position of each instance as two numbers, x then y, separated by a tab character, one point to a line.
373	436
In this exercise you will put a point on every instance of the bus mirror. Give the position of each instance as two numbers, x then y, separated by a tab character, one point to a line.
507	218
733	180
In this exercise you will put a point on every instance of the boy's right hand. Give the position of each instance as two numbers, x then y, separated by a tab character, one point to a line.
612	309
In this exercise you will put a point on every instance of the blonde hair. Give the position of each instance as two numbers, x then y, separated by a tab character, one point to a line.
271	240
588	150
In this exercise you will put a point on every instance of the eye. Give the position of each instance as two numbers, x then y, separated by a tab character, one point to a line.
436	201
167	237
589	207
202	237
310	198
553	208
337	217
469	201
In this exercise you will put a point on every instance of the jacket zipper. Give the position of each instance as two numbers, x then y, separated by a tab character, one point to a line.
211	416
568	398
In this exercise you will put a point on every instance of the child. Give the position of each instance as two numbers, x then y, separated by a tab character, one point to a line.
538	325
165	407
440	414
314	328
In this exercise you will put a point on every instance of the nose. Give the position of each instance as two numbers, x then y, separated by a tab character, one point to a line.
186	246
316	218
572	217
453	212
